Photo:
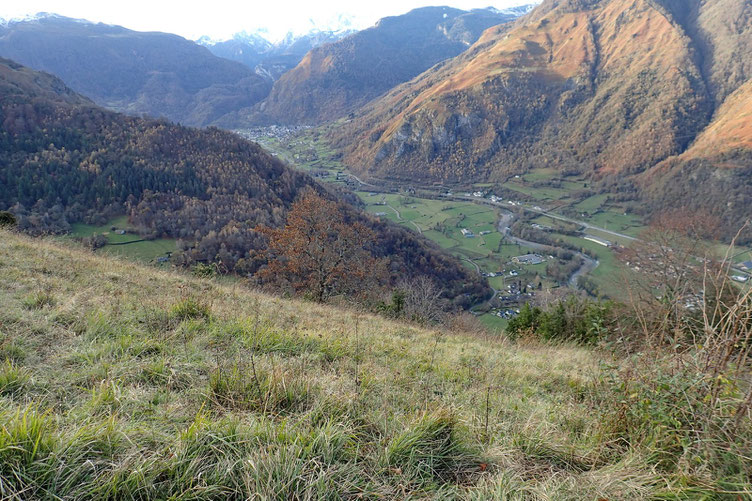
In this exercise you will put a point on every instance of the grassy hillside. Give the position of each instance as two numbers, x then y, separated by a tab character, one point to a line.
124	382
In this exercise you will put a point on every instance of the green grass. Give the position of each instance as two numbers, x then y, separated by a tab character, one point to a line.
543	194
541	175
451	217
615	221
493	322
608	275
142	251
592	204
86	230
145	251
139	383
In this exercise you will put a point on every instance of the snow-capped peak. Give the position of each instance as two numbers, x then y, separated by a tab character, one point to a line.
39	16
519	10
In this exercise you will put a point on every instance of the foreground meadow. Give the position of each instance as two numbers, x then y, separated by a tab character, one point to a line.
124	382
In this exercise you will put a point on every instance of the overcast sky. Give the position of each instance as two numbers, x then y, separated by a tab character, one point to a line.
222	18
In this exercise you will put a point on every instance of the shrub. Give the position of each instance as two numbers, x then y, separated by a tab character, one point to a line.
581	321
689	405
7	219
527	320
202	270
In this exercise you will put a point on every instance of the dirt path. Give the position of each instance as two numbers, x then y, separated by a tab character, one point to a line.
477	268
399	216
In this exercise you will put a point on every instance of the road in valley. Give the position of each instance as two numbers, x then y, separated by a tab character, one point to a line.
588	263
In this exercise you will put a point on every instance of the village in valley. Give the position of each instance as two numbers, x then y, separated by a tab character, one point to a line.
535	237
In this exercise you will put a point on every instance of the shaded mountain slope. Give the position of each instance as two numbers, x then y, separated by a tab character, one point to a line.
156	74
714	174
335	79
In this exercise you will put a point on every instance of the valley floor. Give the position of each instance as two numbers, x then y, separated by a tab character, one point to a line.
123	381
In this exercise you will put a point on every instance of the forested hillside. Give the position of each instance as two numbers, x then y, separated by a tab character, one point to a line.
63	159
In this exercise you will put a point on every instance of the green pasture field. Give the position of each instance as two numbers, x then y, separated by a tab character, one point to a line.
143	251
608	273
593	203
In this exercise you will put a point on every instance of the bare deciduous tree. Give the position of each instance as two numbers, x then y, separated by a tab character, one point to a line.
423	300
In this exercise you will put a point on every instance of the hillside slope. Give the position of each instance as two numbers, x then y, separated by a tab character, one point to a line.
124	379
335	79
157	74
717	165
607	88
64	160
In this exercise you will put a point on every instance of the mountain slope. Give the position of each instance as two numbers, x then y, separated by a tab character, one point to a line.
63	159
335	79
606	87
713	174
156	74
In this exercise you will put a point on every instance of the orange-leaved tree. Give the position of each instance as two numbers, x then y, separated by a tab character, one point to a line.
321	253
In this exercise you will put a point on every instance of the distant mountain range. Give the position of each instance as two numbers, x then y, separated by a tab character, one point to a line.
335	79
648	96
155	74
271	60
219	83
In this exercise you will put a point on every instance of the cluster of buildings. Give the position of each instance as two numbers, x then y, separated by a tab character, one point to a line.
273	131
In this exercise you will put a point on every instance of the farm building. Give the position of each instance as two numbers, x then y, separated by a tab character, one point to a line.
529	259
598	240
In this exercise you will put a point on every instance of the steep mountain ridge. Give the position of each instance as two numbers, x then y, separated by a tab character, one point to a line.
604	87
23	83
335	79
555	75
156	74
